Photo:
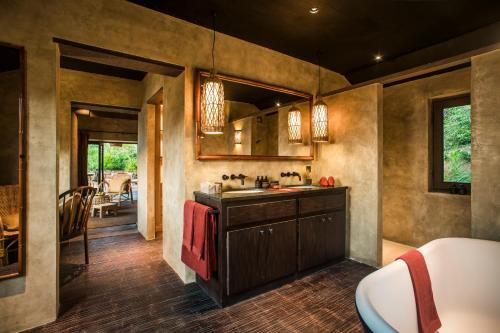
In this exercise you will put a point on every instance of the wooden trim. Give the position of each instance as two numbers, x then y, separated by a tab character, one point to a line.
436	160
197	106
157	101
108	57
104	108
22	164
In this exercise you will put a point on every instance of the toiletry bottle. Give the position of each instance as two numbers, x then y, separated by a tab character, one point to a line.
257	182
308	178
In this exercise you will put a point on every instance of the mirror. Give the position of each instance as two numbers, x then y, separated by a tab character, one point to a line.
12	80
256	125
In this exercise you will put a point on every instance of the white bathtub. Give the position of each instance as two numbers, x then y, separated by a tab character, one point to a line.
465	275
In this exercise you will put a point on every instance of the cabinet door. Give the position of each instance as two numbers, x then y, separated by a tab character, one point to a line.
312	241
246	254
335	236
282	250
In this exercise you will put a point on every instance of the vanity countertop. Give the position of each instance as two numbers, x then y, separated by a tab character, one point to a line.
266	193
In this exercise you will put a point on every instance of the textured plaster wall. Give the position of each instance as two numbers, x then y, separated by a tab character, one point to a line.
32	299
354	159
10	89
124	27
485	72
94	89
412	214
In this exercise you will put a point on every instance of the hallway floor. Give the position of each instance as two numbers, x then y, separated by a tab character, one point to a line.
128	287
391	250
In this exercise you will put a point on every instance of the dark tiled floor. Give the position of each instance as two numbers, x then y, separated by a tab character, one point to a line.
129	288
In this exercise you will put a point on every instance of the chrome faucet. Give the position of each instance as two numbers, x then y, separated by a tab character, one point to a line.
240	177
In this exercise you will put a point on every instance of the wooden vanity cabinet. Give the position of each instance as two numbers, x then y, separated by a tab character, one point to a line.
266	240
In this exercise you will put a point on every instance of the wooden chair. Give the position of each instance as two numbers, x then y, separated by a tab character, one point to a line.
74	210
9	211
120	185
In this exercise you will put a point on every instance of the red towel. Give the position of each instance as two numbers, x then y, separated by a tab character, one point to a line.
187	237
200	221
198	243
427	316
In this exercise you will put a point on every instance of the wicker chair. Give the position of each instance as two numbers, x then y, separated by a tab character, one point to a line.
9	207
120	185
74	210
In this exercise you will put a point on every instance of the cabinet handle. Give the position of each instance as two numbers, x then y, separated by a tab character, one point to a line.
261	232
330	219
270	231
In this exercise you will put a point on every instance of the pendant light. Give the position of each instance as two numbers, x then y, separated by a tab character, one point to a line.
294	125
212	99
319	117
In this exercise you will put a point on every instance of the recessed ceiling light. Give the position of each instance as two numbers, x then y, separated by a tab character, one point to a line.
378	57
314	10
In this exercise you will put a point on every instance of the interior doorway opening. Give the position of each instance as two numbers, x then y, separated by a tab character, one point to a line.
155	105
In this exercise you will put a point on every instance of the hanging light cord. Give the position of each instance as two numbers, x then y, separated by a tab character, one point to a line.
319	79
213	46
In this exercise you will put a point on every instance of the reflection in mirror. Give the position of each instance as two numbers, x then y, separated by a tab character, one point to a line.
257	123
11	170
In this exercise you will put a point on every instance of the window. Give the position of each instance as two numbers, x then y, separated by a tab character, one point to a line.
451	145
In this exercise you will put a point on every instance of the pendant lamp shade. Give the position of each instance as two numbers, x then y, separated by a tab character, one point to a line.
294	125
212	99
212	106
319	121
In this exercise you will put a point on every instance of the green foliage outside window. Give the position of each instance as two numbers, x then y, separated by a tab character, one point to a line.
457	144
122	158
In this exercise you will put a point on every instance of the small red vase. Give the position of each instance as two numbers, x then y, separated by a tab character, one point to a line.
323	182
331	181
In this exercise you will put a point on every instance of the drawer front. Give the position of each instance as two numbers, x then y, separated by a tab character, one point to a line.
321	203
244	214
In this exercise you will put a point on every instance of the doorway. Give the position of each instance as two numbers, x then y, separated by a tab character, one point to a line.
112	169
155	105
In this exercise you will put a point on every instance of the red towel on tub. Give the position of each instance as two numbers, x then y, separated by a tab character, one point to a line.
198	240
427	316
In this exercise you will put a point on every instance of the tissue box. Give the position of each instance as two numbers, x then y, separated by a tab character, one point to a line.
210	187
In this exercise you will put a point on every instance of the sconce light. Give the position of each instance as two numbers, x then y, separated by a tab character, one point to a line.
237	137
294	125
212	99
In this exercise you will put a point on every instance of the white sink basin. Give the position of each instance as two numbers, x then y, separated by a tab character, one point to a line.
304	186
245	191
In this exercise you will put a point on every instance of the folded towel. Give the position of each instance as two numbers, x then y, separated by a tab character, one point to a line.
187	236
427	316
200	221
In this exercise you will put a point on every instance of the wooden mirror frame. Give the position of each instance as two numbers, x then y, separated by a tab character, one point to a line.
21	165
200	74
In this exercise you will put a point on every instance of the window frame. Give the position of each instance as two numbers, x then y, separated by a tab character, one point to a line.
436	156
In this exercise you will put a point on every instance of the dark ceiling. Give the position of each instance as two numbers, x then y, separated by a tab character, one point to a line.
347	33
